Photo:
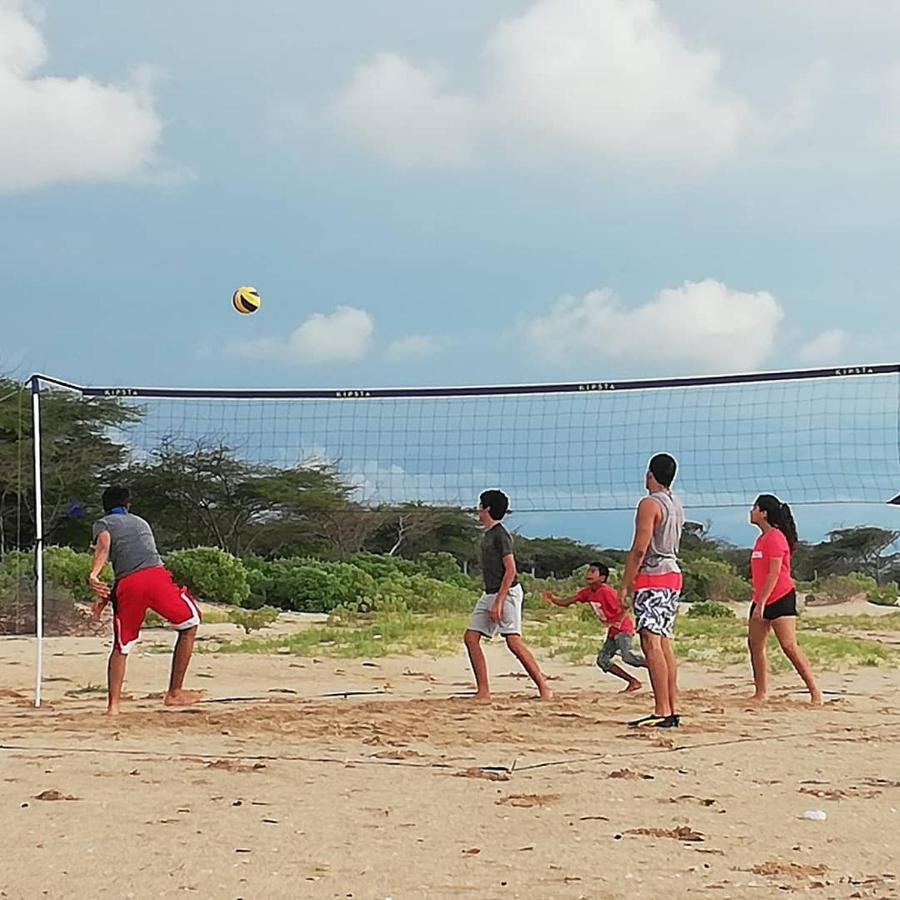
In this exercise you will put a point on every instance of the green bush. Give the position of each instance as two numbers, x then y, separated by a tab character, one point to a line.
316	586
381	567
840	588
712	579
16	565
444	567
419	593
67	569
885	595
254	619
210	573
710	609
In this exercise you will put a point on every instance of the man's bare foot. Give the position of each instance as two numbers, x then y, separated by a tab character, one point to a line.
481	697
815	698
546	693
631	687
758	699
112	710
182	698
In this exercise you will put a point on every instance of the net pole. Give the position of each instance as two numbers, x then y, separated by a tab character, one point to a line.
38	539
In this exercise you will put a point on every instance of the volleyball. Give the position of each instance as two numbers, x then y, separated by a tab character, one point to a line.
246	300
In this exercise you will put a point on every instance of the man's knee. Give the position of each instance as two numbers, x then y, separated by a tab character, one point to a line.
472	638
513	641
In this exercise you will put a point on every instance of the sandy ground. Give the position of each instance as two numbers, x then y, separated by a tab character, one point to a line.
375	779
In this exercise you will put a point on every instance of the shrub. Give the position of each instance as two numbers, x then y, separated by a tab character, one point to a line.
315	586
444	567
712	579
67	569
381	567
254	619
885	595
840	588
210	573
16	565
710	609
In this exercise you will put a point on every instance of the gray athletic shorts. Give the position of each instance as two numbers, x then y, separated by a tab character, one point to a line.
510	621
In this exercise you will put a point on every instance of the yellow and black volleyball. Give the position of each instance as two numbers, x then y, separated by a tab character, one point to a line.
246	300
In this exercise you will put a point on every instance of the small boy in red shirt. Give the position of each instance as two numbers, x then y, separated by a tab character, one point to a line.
605	602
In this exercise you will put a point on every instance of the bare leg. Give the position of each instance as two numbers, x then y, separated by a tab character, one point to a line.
671	673
181	658
619	672
652	645
785	630
115	677
524	655
479	665
757	636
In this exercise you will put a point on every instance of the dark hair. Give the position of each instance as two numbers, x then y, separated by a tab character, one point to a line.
601	568
496	502
663	468
114	496
779	515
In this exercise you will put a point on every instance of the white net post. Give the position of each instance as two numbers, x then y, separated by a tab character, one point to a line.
38	539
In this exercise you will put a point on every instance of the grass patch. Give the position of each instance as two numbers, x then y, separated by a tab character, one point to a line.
832	643
386	634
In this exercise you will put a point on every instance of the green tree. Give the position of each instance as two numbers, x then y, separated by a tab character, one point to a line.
411	529
79	455
558	557
204	495
860	549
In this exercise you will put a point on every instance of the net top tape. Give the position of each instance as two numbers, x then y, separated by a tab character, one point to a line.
570	387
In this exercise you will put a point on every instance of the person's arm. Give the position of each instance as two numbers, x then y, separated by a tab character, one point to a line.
768	586
100	588
648	514
509	576
550	597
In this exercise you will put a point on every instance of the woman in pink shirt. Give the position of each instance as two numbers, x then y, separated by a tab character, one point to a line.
774	606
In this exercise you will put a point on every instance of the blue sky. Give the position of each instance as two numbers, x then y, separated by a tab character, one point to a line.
522	191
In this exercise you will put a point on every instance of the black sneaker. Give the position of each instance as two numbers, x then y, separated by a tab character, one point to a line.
673	721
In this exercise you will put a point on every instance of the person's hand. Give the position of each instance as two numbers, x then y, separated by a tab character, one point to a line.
623	596
549	596
497	610
97	609
758	611
100	588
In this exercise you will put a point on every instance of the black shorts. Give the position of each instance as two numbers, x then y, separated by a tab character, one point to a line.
786	606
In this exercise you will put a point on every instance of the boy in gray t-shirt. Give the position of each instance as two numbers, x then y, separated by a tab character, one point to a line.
499	611
142	582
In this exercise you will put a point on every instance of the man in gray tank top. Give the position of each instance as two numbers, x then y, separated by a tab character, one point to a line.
652	571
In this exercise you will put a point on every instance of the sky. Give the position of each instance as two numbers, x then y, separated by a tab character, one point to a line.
530	191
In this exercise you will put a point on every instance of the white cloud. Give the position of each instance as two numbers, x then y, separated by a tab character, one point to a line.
66	129
341	336
699	327
403	114
824	348
413	347
612	80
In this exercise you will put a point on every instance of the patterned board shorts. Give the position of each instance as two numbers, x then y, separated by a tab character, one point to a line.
656	610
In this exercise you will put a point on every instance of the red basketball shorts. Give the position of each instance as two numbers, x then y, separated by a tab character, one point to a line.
154	589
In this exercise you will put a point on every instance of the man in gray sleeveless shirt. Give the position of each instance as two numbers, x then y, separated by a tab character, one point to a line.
653	572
